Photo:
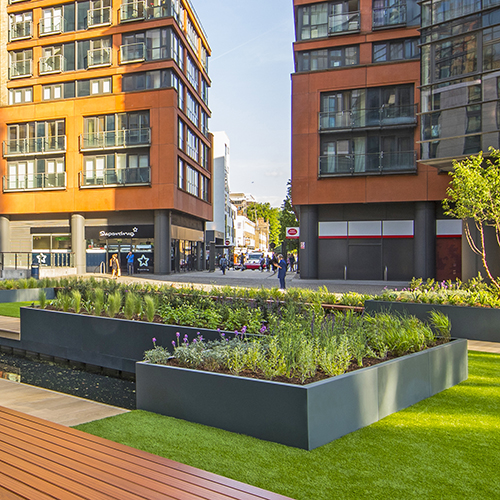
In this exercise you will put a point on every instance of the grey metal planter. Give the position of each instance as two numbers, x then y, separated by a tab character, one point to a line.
301	416
473	323
108	342
24	294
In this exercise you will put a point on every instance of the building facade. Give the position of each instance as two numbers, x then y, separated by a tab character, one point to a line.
370	149
104	128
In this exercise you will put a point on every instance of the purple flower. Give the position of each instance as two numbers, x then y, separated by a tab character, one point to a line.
177	334
263	329
244	329
218	330
154	339
173	343
222	334
194	341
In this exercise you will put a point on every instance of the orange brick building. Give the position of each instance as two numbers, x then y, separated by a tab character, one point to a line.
104	129
369	209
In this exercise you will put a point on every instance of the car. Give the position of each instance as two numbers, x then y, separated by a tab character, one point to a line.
253	261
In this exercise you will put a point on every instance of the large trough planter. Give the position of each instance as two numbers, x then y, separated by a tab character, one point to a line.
473	323
24	294
301	416
107	342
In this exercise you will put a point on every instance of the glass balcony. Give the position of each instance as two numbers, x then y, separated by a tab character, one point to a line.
51	64
134	52
389	16
386	116
21	147
18	69
116	139
109	177
21	30
99	17
368	163
338	23
132	11
32	182
51	25
99	57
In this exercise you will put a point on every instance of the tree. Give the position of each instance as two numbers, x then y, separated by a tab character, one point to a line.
474	197
269	214
288	218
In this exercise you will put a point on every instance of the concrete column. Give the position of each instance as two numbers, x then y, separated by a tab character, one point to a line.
162	241
424	241
4	234
308	256
78	242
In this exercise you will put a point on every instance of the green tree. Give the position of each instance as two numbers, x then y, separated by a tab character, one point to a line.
288	218
474	197
269	214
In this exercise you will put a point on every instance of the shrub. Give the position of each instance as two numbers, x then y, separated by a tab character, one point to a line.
114	303
77	300
149	304
42	298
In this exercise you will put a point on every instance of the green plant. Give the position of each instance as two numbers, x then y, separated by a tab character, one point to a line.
114	303
129	308
150	308
66	302
98	301
441	324
42	298
77	300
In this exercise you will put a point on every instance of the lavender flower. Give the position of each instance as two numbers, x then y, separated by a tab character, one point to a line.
177	334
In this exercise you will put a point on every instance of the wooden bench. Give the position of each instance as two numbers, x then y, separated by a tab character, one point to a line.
41	460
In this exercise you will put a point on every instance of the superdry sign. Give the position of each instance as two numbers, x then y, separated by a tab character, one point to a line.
118	232
292	233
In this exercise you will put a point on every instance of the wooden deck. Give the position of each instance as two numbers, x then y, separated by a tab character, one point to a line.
40	460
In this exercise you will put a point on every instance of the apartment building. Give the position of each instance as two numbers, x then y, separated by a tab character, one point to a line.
368	194
104	129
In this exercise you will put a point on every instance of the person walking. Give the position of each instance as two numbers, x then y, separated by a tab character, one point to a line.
223	264
291	260
282	267
115	266
262	263
130	263
242	261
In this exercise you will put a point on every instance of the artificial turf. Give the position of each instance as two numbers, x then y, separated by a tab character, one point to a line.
13	308
445	447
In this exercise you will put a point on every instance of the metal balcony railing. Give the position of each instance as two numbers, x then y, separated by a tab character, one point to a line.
367	163
51	64
116	139
99	17
20	69
21	30
384	116
120	177
38	145
134	52
132	11
33	182
51	25
99	57
389	16
338	23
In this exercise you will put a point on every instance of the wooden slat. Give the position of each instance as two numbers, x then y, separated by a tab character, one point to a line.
40	459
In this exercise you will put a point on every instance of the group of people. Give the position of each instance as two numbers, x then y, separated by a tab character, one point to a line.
114	264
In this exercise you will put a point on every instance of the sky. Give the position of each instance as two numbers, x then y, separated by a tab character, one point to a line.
250	97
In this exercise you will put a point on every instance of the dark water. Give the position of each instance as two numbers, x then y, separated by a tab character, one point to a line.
96	387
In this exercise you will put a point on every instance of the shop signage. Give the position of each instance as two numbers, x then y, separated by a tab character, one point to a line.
292	233
112	232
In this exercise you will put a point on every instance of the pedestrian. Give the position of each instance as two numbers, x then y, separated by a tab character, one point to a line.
242	261
223	264
274	263
291	260
268	263
262	263
282	266
115	267
130	263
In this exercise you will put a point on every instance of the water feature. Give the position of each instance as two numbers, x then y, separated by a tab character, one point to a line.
57	377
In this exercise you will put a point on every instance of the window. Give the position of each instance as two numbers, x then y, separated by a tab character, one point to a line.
318	60
21	63
98	86
180	132
343	16
204	188
204	91
204	122
179	86
36	173
147	80
389	13
491	48
312	21
20	25
52	60
180	179
396	50
51	21
150	45
99	53
19	96
192	72
58	91
455	57
192	145
99	13
204	155
192	181
192	108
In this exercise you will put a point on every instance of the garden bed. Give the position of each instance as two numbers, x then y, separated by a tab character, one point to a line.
24	294
303	416
473	323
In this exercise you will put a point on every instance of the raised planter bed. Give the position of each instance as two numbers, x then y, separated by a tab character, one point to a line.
301	416
24	294
107	342
473	323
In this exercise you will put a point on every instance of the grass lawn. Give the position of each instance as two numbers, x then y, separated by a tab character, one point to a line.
13	308
445	447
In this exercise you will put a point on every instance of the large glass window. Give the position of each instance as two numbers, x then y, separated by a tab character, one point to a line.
192	181
389	13
192	108
147	80
20	95
318	60
20	25
151	45
36	137
192	72
192	145
395	50
21	63
36	173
